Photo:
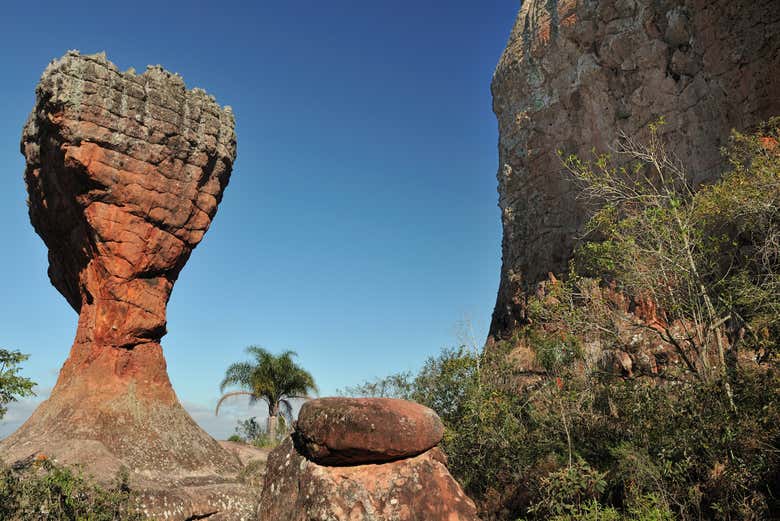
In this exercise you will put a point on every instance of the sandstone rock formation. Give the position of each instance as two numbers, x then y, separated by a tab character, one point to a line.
124	174
576	72
413	488
350	431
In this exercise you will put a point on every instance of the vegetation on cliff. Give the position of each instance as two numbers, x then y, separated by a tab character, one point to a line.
708	259
693	433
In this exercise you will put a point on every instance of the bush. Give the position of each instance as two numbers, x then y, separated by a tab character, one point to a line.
646	509
265	440
46	491
700	439
397	385
250	431
581	446
569	490
708	258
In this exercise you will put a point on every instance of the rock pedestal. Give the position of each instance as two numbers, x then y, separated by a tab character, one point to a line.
124	174
411	485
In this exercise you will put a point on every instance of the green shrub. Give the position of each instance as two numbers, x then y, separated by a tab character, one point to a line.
646	509
46	491
397	385
569	490
583	446
568	441
250	431
265	440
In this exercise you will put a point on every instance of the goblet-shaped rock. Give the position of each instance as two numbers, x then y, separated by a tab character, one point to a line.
124	174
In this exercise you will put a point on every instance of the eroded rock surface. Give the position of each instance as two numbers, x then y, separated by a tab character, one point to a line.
124	174
348	431
577	72
413	488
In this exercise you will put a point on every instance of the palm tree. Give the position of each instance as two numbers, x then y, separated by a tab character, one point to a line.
275	379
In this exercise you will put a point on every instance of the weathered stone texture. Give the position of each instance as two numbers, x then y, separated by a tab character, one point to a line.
348	431
413	489
374	460
577	72
124	174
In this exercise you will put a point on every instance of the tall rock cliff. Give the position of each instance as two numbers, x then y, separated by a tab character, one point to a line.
124	175
575	73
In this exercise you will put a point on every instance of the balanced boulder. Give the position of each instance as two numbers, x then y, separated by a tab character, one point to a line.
359	459
349	431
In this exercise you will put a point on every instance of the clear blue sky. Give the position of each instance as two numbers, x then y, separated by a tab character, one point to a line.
360	224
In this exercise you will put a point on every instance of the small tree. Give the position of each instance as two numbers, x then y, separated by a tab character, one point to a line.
397	385
650	242
275	379
249	430
708	258
12	386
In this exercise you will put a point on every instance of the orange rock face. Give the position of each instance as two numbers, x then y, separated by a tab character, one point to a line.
124	174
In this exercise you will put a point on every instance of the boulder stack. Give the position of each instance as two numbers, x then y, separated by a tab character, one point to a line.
363	459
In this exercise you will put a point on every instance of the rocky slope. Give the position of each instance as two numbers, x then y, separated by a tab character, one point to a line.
124	175
575	73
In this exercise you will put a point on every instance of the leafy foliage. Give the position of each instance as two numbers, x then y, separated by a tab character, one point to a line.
569	441
709	258
578	445
250	431
569	490
12	386
46	491
397	385
740	220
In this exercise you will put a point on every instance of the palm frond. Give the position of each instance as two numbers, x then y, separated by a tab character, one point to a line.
229	395
239	374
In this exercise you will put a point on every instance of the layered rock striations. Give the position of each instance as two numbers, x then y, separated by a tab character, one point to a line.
124	174
368	459
575	73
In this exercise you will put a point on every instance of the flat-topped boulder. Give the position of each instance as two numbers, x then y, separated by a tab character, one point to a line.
351	431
